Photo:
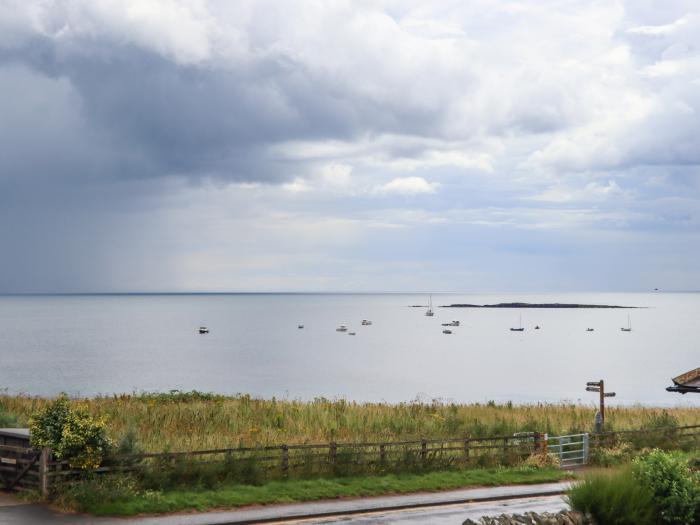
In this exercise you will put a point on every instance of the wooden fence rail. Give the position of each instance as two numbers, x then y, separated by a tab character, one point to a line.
26	468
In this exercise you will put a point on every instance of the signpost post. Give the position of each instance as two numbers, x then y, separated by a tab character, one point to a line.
599	386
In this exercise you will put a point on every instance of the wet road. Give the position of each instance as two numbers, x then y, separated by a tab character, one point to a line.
449	515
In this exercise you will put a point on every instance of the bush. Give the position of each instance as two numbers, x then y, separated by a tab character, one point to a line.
609	456
674	486
617	499
73	434
660	487
85	494
539	460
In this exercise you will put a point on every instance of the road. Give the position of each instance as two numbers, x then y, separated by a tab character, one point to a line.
434	508
447	515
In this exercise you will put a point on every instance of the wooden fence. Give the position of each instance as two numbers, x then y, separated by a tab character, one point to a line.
26	468
674	437
308	460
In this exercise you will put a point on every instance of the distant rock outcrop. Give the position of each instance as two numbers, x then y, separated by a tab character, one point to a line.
534	305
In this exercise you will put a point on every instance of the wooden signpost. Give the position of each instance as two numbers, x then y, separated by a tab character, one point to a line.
599	386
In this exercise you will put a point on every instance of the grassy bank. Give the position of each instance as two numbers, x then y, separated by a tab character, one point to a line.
191	421
121	496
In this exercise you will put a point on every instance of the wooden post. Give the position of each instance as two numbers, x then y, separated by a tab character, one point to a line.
466	449
44	472
602	404
332	452
382	454
423	451
536	442
285	461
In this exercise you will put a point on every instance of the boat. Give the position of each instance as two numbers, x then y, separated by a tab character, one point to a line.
629	325
429	312
342	328
452	323
520	326
300	327
203	330
352	333
447	331
537	327
590	329
366	322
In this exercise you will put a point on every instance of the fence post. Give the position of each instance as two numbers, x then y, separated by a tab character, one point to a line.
44	471
423	451
332	452
585	448
382	454
466	449
285	461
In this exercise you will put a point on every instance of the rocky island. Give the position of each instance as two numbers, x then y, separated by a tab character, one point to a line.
534	305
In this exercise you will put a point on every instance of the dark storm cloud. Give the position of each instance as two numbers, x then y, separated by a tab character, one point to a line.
145	142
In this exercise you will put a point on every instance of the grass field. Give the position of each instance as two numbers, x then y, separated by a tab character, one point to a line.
118	498
194	420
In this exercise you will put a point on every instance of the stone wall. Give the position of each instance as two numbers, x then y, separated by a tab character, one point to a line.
532	518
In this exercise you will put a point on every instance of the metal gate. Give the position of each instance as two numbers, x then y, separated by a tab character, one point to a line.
571	450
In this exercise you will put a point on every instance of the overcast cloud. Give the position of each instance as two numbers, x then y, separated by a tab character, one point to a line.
165	145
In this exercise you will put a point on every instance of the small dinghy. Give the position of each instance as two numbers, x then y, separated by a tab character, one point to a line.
447	331
203	330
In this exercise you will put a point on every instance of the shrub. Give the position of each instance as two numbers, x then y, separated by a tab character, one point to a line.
540	460
84	494
617	499
73	434
674	486
608	456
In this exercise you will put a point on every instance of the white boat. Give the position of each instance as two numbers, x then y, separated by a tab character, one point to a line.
520	326
366	322
590	329
352	333
300	327
629	325
342	328
203	330
429	312
451	323
447	331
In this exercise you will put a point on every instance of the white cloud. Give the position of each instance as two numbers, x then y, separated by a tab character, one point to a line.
406	186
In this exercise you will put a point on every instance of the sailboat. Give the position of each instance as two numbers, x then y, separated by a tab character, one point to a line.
429	312
520	326
629	325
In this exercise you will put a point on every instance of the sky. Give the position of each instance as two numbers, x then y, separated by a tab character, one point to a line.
484	145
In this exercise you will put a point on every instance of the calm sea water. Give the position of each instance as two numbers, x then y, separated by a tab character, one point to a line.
86	345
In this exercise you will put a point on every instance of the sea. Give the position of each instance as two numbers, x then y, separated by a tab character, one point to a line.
88	345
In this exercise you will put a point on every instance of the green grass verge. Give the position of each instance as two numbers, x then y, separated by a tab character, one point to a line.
101	499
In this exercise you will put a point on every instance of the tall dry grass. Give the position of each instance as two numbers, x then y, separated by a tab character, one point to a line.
194	421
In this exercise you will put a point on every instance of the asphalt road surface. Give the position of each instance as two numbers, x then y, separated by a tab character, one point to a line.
449	515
